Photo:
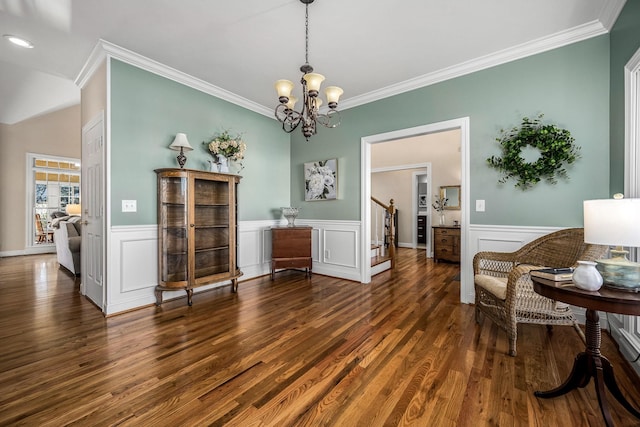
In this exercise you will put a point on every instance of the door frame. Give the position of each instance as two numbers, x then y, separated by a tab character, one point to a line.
463	124
416	208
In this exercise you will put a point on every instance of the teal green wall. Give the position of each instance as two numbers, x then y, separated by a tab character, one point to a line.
625	41
148	110
570	85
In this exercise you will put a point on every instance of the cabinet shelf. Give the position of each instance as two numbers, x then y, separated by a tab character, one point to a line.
212	204
217	248
197	231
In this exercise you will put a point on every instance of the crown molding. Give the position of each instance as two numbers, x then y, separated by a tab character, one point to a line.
96	57
608	16
610	11
543	44
104	49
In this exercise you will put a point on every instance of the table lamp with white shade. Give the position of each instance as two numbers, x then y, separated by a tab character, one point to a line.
615	222
180	143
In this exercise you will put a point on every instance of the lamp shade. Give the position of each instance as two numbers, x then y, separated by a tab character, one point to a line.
314	80
612	222
284	88
180	142
292	102
333	94
73	209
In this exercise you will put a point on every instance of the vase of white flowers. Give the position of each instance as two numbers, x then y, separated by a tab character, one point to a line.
225	148
223	163
438	206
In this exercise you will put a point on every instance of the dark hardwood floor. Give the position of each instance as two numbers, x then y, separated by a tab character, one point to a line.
293	352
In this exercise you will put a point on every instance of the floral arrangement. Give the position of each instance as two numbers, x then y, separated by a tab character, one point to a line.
231	147
439	204
320	180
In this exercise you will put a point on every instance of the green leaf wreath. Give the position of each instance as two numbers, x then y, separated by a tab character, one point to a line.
556	146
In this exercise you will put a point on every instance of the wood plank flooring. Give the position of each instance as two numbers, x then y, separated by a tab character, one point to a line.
296	351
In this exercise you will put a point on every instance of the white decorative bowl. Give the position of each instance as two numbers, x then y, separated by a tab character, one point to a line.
290	214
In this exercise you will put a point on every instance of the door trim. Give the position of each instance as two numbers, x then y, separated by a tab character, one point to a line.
463	123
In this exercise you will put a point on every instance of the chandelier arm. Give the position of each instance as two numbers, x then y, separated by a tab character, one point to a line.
331	120
290	119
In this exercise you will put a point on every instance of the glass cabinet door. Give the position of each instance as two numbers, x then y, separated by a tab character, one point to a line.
211	227
174	260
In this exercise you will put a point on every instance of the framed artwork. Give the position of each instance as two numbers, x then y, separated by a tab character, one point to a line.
321	180
422	201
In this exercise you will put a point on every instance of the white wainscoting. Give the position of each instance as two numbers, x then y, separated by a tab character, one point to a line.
625	330
133	265
132	268
505	239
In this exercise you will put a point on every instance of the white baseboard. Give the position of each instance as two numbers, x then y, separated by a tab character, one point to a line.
29	251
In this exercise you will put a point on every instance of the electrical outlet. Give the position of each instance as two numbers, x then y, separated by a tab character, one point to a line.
479	205
129	206
327	254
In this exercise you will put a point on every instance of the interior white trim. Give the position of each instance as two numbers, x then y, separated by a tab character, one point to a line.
466	285
610	12
624	332
401	167
632	127
415	209
112	50
543	44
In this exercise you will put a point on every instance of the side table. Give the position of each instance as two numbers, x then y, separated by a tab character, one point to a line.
591	363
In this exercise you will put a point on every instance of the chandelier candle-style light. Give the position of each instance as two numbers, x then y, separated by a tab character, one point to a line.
309	115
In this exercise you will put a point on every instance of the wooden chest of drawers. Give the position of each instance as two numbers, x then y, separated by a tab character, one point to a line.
446	243
290	248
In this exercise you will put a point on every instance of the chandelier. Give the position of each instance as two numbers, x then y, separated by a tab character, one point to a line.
309	115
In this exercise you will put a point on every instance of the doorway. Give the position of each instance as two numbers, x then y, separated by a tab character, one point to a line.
422	220
53	183
366	143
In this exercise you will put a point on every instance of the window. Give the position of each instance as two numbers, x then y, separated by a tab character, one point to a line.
53	184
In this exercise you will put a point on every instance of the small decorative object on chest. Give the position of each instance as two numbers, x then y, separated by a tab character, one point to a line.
290	214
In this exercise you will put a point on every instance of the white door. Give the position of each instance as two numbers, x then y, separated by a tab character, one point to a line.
93	211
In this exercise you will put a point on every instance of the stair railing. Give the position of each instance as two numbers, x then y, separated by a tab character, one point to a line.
391	210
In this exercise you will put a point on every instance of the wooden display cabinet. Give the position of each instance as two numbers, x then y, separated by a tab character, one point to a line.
290	248
197	230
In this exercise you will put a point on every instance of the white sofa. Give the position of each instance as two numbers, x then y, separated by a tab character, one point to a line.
67	234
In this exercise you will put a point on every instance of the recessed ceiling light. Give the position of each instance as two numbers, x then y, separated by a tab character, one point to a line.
18	41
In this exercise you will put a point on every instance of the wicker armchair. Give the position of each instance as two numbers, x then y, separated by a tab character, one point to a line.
503	287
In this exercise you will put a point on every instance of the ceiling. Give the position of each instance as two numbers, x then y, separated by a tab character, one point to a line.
371	49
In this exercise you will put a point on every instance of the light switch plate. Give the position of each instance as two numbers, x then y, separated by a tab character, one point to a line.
129	206
479	205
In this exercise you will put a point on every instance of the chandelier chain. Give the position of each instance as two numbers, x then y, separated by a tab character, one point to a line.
306	34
